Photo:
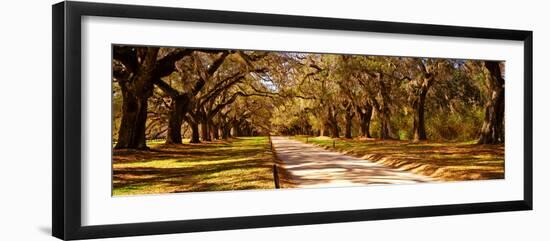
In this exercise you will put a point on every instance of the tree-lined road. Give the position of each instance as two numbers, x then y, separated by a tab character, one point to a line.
224	103
312	166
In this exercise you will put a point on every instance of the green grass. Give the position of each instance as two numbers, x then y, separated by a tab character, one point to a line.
442	160
155	142
242	163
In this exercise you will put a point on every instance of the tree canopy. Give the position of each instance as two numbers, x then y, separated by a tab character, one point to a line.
208	94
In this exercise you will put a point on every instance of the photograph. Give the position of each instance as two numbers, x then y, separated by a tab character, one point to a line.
275	121
187	119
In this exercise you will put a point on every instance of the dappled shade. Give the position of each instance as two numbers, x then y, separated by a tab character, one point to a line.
442	160
230	165
195	119
312	166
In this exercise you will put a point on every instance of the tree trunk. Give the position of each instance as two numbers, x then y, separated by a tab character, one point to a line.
383	110
347	133
246	130
365	116
334	133
194	132
385	129
322	130
333	123
349	122
175	120
214	131
205	132
236	130
384	119
131	133
135	93
226	132
419	128
492	130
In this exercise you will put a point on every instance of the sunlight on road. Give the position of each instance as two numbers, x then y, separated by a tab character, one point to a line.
311	166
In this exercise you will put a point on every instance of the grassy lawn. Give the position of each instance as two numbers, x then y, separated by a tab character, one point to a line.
445	161
242	163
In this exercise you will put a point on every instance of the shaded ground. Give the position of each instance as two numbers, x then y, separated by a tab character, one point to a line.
445	161
312	166
243	163
246	163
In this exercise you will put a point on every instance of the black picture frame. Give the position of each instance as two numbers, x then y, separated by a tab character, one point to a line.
66	47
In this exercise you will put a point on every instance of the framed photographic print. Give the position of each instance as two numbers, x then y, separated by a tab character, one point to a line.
169	120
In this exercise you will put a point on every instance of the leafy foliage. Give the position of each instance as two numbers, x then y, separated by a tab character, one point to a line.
230	92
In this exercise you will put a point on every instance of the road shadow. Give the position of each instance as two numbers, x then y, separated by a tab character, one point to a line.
309	165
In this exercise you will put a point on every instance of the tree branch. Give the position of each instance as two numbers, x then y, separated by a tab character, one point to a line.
166	88
166	65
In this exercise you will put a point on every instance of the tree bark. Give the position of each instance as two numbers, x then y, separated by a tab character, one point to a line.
385	129
236	128
135	93
419	127
131	133
383	110
420	87
323	127
205	132
383	114
226	132
492	130
365	115
349	121
182	101
194	132
333	123
214	131
175	120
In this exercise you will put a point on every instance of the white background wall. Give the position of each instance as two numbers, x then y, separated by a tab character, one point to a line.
25	120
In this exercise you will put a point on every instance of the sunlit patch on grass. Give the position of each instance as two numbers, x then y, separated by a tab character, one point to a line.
242	163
